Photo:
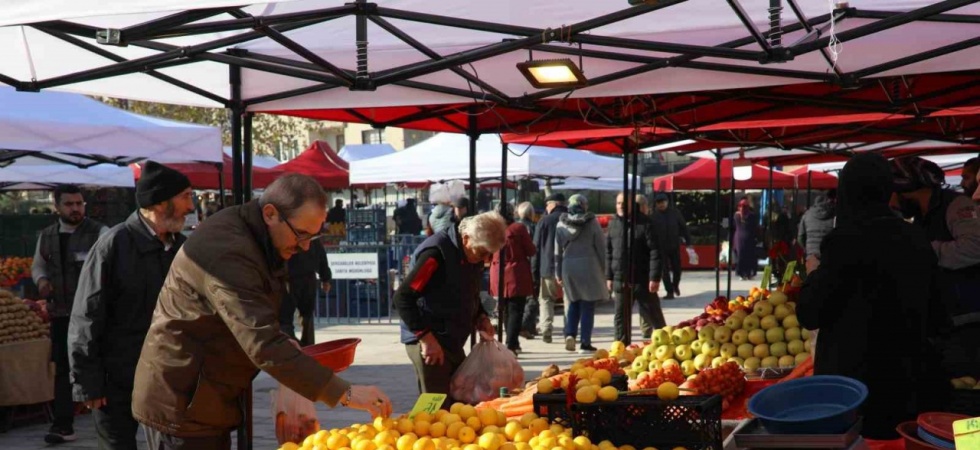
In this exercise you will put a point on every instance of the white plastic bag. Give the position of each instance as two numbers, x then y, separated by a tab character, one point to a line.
692	256
489	367
295	416
439	193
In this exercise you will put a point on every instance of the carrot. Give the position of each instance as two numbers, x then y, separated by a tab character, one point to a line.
518	412
516	402
803	369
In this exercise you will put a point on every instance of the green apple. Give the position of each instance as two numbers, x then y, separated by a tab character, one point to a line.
670	362
752	364
654	365
683	352
677	336
793	334
782	312
690	335
661	337
632	374
762	308
649	351
774	335
728	350
664	352
806	334
687	367
777	298
808	345
791	306
740	337
669	329
750	323
717	362
696	347
706	333
723	334
795	347
711	348
778	349
757	336
701	361
791	321
760	351
769	322
800	357
770	362
745	351
787	361
640	364
737	360
733	322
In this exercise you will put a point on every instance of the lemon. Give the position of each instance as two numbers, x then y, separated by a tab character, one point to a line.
439	415
422	427
649	448
487	416
627	447
585	395
424	443
467	435
309	441
320	447
385	438
537	426
582	443
489	441
557	429
545	386
454	409
508	446
423	416
606	444
405	442
523	436
608	394
668	391
450	418
527	418
320	437
452	432
471	447
511	429
474	422
289	446
437	430
365	444
384	447
467	411
337	442
406	426
604	375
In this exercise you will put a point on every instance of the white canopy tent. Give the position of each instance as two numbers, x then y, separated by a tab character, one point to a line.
262	161
444	157
664	29
358	152
75	130
32	173
589	184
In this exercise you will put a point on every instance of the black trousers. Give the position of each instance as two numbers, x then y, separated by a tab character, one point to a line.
672	270
515	320
301	296
63	407
651	315
157	440
531	313
114	423
435	379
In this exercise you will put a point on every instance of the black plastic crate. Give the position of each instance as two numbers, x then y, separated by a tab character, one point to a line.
366	216
965	401
555	408
365	235
693	422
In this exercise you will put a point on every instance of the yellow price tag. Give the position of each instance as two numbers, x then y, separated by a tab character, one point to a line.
966	432
428	403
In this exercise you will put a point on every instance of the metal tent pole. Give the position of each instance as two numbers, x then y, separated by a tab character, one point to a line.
809	190
501	307
247	157
718	223
731	242
473	135
632	234
625	292
235	79
221	184
769	209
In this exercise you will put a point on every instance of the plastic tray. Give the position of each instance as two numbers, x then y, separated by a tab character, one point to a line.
754	435
693	422
337	355
910	431
939	424
820	404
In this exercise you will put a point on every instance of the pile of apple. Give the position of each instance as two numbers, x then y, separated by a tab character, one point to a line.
721	308
768	337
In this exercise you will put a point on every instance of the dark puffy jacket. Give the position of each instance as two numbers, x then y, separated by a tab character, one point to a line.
543	264
646	251
817	222
117	293
669	227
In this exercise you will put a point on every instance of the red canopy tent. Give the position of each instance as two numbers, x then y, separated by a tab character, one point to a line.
702	175
322	163
812	179
205	175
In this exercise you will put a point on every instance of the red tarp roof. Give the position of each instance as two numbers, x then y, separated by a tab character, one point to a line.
701	176
205	175
816	179
322	163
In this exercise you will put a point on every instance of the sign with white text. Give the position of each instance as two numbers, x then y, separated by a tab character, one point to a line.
353	266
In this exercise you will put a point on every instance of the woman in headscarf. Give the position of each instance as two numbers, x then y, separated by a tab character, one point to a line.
746	233
872	295
580	266
518	285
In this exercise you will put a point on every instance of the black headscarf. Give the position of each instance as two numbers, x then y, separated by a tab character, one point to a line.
864	189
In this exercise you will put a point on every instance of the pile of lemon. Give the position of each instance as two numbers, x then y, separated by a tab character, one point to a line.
460	428
592	385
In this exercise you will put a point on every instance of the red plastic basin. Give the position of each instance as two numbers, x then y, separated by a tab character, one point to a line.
338	355
910	431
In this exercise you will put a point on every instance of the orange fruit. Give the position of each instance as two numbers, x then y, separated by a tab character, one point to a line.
466	435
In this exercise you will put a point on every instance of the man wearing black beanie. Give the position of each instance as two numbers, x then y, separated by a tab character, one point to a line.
117	293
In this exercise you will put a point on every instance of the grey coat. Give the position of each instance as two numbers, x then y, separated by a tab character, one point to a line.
580	257
817	222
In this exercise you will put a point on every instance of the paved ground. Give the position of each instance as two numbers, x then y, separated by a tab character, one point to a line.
381	360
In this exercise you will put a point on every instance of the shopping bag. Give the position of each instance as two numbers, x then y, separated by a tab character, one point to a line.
295	415
489	367
692	256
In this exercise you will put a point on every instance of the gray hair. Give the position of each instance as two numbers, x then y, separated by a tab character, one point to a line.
291	191
486	231
525	211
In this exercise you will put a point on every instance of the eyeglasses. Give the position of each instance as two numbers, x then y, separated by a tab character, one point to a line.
301	237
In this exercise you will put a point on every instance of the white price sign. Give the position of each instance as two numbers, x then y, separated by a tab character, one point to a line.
353	266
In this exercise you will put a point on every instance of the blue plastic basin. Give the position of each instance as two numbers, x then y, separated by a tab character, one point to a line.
821	404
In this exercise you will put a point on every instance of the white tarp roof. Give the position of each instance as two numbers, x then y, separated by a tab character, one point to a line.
29	53
445	156
357	152
70	124
588	184
263	161
33	173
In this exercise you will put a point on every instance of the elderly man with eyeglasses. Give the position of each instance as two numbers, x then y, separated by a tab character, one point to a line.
216	323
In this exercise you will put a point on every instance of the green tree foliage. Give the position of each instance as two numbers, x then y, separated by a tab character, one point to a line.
268	131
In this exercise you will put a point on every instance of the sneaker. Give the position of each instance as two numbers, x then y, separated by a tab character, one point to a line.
58	435
587	350
546	338
677	292
570	343
526	335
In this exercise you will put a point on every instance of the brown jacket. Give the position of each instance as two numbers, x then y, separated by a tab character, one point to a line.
215	325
